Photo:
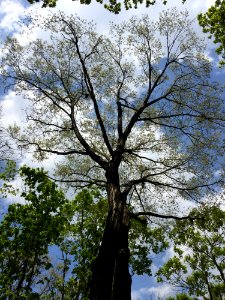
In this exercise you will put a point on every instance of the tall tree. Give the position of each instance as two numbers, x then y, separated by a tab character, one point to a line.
134	114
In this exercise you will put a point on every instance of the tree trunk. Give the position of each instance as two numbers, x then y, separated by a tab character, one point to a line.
110	271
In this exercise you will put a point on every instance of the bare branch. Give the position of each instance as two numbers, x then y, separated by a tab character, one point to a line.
89	85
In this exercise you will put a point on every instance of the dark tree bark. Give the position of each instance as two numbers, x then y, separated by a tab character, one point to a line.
111	279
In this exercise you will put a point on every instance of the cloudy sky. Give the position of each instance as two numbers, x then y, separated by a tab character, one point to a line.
11	11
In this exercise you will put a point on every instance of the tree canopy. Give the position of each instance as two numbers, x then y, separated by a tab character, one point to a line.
134	113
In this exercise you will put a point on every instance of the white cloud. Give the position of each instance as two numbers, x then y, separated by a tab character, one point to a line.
13	109
153	292
11	11
136	295
199	5
209	3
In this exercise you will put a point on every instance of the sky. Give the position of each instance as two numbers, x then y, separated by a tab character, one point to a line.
11	11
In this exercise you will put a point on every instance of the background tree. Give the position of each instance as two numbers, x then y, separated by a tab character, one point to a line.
133	114
26	232
213	22
199	261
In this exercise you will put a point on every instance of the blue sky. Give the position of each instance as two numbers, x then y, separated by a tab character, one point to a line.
11	11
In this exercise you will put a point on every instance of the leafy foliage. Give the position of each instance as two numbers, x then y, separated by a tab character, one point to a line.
75	227
81	244
85	235
199	261
213	22
26	232
7	173
114	6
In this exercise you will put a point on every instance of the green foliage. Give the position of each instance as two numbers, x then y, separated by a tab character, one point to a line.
199	261
46	3
145	241
7	173
111	5
26	232
7	170
213	22
84	238
85	235
75	227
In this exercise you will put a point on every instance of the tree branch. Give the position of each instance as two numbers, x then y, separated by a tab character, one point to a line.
89	86
145	179
152	214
